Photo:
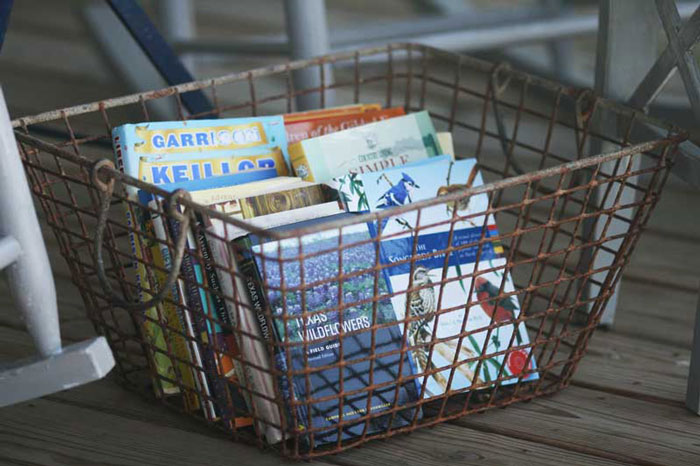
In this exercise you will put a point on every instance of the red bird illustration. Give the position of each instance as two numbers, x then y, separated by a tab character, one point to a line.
504	308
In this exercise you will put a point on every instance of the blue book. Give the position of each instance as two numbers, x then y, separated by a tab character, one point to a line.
322	330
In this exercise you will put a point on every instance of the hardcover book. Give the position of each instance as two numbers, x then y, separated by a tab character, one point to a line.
371	147
409	184
336	395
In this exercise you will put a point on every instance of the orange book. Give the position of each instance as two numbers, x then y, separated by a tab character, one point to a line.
300	130
330	112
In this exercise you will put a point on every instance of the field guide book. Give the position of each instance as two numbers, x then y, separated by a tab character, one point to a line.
412	183
322	329
370	147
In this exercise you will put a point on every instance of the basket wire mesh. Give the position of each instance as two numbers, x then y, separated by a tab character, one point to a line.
559	210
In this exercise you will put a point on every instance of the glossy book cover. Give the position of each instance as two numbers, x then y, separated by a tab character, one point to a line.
416	183
323	328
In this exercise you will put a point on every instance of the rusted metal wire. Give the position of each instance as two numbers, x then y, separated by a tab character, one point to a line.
531	138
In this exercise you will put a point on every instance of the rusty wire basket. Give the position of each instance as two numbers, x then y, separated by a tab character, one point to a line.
568	223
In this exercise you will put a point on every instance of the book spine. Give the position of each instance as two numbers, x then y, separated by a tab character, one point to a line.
268	329
185	322
257	376
153	331
224	337
175	331
193	293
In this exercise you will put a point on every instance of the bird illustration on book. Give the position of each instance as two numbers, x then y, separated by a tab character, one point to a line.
397	195
462	204
502	310
423	304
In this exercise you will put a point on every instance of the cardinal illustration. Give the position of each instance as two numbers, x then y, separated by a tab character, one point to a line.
422	303
502	310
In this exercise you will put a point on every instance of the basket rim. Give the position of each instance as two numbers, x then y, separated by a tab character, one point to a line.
674	136
583	163
482	65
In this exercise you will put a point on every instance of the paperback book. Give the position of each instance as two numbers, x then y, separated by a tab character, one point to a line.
430	293
367	148
329	414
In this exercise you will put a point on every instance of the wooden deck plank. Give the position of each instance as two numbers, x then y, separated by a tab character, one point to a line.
96	421
656	313
620	363
643	432
52	433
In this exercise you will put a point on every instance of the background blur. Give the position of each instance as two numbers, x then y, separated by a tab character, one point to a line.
62	53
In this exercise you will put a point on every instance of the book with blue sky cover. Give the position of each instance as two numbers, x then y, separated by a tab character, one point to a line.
408	184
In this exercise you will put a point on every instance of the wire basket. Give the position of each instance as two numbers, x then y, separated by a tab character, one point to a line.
568	223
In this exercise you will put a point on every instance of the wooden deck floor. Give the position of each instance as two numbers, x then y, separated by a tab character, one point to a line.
625	405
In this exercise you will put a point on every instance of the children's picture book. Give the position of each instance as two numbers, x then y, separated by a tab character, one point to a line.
367	148
298	131
175	151
323	328
410	184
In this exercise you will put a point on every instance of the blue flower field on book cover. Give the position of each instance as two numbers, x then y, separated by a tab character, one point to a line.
369	378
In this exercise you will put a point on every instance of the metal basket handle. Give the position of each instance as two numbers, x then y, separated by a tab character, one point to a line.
106	189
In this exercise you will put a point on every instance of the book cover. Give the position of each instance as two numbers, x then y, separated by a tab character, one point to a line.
300	130
262	140
225	181
371	147
324	325
411	184
351	190
176	168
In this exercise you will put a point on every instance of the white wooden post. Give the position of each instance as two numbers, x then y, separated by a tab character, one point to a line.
25	261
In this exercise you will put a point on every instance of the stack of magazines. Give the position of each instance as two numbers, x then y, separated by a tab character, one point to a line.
348	351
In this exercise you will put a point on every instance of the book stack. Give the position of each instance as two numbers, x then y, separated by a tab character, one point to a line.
323	348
